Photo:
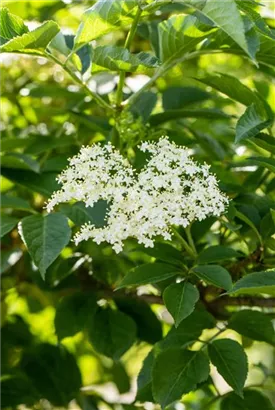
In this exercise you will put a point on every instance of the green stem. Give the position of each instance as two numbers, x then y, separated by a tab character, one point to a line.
95	96
127	45
185	245
190	239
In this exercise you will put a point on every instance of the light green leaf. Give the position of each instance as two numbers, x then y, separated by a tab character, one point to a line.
215	275
257	282
250	124
10	25
230	360
217	253
210	113
45	237
32	41
103	17
258	21
253	324
74	313
177	372
7	224
268	163
252	400
224	14
119	58
20	161
112	332
148	273
180	299
178	35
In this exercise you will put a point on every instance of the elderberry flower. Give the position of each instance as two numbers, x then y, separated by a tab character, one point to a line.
171	189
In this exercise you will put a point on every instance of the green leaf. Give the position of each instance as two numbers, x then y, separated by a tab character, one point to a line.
148	325
7	224
120	377
258	21
230	360
264	141
9	258
240	215
80	214
32	41
250	124
118	58
253	324
16	390
45	237
10	25
233	88
144	380
268	163
112	332
44	184
252	400
257	282
210	113
225	15
215	275
148	273
217	253
13	202
177	36
189	329
73	314
53	372
103	17
177	372
175	98
164	252
20	161
180	300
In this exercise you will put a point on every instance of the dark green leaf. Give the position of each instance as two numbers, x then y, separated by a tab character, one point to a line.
148	273
175	98
53	372
177	372
148	325
180	299
215	275
45	237
230	360
252	400
257	282
16	390
144	380
7	224
74	313
120	378
268	163
253	324
169	115
20	161
80	214
112	332
217	253
165	253
13	202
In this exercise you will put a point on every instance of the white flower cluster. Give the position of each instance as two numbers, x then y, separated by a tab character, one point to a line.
171	189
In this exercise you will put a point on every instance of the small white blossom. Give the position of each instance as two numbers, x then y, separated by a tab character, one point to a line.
171	189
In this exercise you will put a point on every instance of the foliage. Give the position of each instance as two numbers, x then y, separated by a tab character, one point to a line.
188	320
